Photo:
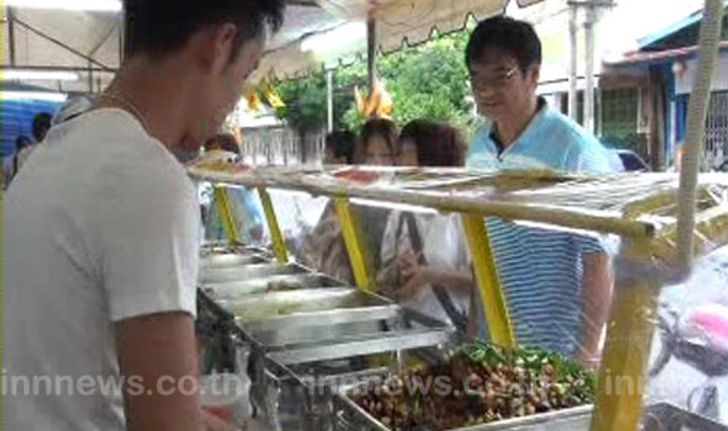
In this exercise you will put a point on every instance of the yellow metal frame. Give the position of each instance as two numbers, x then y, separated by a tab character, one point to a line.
279	243
226	214
622	378
486	275
355	246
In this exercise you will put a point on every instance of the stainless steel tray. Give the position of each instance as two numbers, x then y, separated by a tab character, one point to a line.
227	260
224	247
250	272
272	283
669	417
301	383
576	419
307	307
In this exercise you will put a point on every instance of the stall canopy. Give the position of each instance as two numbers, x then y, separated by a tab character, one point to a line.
399	22
90	43
86	44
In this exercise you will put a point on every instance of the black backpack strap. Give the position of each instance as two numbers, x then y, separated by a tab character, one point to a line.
456	317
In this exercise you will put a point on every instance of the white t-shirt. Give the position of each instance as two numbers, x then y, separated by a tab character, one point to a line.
443	247
102	225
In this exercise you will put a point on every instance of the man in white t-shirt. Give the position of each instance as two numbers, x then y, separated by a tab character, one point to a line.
102	230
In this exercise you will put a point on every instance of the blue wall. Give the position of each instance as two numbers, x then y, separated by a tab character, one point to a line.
16	118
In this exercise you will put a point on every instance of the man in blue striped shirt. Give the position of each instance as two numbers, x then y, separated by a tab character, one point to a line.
557	284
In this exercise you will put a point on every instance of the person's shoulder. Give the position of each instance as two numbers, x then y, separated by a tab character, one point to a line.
121	154
568	130
480	147
582	150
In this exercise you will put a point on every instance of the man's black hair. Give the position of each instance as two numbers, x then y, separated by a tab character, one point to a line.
162	26
517	38
41	125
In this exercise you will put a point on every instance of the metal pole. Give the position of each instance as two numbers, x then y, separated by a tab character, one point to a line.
355	244
90	79
276	235
589	66
330	98
710	35
630	331
11	36
573	61
372	52
494	300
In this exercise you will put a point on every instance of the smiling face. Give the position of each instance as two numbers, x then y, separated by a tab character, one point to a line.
500	88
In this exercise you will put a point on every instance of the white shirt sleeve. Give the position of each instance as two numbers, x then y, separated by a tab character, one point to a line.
149	238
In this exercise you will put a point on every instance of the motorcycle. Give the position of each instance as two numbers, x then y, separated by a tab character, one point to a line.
700	340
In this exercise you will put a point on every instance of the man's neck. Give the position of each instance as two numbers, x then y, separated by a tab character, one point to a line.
510	129
156	91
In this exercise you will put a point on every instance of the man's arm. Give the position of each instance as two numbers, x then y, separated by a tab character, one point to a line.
157	353
597	292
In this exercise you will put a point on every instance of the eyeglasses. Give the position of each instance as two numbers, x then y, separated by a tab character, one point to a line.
480	83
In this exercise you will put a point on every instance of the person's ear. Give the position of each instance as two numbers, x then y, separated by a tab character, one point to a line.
535	76
214	47
225	36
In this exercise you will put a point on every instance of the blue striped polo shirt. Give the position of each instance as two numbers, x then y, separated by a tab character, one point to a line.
541	270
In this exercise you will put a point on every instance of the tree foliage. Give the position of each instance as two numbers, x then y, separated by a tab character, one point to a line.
426	81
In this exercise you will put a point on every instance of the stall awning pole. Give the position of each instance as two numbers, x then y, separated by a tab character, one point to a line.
589	100
630	332
330	100
710	35
372	52
11	35
573	61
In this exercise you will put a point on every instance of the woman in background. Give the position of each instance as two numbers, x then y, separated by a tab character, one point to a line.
425	261
324	248
379	143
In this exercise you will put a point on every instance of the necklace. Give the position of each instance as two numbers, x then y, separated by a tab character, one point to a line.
128	106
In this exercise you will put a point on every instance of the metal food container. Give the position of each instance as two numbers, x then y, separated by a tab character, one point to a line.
227	260
349	415
307	307
576	419
225	247
301	383
249	272
273	283
668	417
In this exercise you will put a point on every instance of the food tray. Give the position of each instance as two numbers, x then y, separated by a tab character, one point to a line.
268	284
668	417
227	260
523	388
224	247
576	419
249	272
301	382
307	307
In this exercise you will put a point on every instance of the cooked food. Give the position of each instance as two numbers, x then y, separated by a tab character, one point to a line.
479	384
357	175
